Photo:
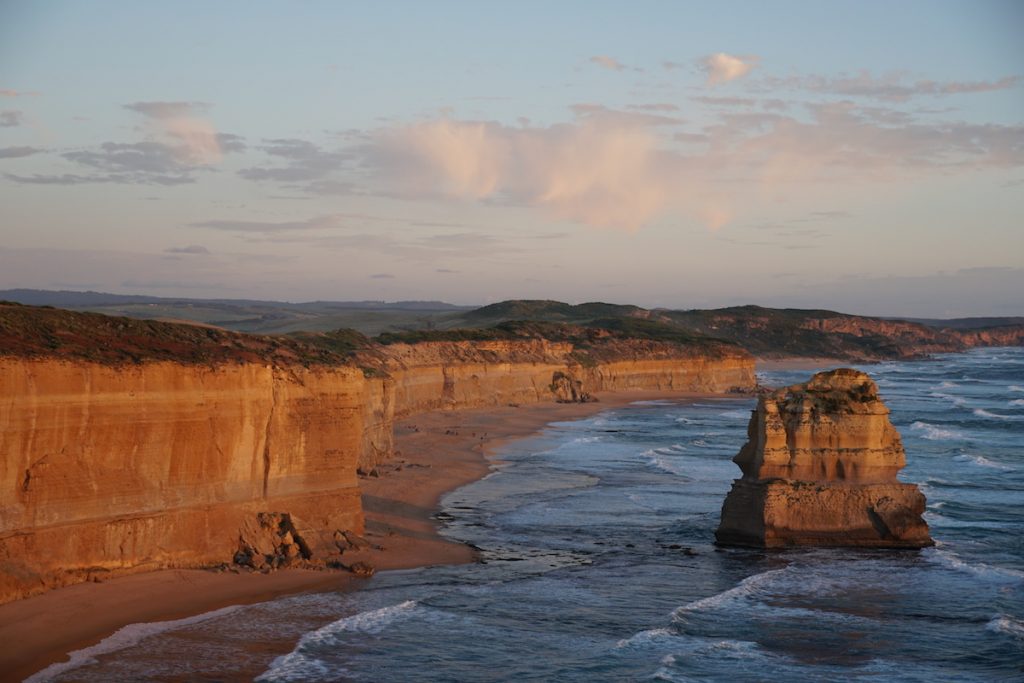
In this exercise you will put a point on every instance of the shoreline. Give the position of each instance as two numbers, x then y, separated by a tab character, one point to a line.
435	453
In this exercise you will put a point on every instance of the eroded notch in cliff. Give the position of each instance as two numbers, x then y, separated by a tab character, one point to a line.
448	388
266	434
26	481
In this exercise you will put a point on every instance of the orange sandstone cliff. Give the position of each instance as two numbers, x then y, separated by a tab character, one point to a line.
132	445
820	468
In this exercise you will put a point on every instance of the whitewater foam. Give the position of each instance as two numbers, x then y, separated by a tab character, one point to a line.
123	638
663	463
981	412
982	461
955	400
301	665
1017	402
979	569
937	520
744	588
645	638
1002	623
934	432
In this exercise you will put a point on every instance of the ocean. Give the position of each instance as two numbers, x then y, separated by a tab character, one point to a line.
598	564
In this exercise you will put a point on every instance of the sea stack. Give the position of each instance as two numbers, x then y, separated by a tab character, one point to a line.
819	469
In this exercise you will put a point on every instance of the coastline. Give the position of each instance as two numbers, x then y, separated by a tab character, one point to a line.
436	452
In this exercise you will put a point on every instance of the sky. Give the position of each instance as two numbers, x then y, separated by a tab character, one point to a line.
861	156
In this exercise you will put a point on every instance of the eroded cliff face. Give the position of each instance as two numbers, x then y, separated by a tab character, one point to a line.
111	468
451	375
819	468
162	464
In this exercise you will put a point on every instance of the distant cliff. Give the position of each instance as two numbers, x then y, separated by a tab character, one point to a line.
819	468
128	445
769	332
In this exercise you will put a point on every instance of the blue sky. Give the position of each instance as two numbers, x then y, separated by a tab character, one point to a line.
858	156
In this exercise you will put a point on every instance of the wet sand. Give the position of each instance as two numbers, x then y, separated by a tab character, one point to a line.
436	453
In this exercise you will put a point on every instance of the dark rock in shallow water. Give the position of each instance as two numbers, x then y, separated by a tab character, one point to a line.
819	468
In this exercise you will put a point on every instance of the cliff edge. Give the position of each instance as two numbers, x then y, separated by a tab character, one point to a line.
129	445
819	468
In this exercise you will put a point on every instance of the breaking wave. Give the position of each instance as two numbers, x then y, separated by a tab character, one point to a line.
979	569
1002	623
982	461
934	432
302	665
981	412
744	588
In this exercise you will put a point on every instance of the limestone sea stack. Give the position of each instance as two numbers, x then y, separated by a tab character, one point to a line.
819	469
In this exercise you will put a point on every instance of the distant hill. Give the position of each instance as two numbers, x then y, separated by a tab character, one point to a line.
250	315
766	332
551	311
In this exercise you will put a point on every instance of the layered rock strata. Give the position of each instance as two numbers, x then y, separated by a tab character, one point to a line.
819	468
112	467
162	464
449	375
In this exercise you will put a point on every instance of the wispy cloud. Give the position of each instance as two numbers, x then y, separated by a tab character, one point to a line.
173	284
892	87
606	62
654	106
190	249
194	140
180	145
382	276
247	226
58	179
168	110
17	152
726	101
599	112
8	92
152	163
722	68
303	162
10	118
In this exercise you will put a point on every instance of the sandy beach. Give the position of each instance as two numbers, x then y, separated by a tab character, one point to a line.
436	453
775	364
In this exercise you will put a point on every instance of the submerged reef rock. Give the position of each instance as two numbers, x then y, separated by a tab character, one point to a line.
819	469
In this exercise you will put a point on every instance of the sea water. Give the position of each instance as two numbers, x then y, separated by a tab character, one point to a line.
598	564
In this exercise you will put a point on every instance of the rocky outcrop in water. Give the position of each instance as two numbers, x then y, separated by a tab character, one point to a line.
819	468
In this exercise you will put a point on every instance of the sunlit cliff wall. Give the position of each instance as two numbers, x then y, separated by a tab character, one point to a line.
109	468
158	464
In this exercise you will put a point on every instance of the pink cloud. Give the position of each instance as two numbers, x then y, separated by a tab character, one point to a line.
607	169
606	62
722	68
594	172
195	141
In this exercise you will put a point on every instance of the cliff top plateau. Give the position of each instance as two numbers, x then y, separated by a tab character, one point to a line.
45	332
